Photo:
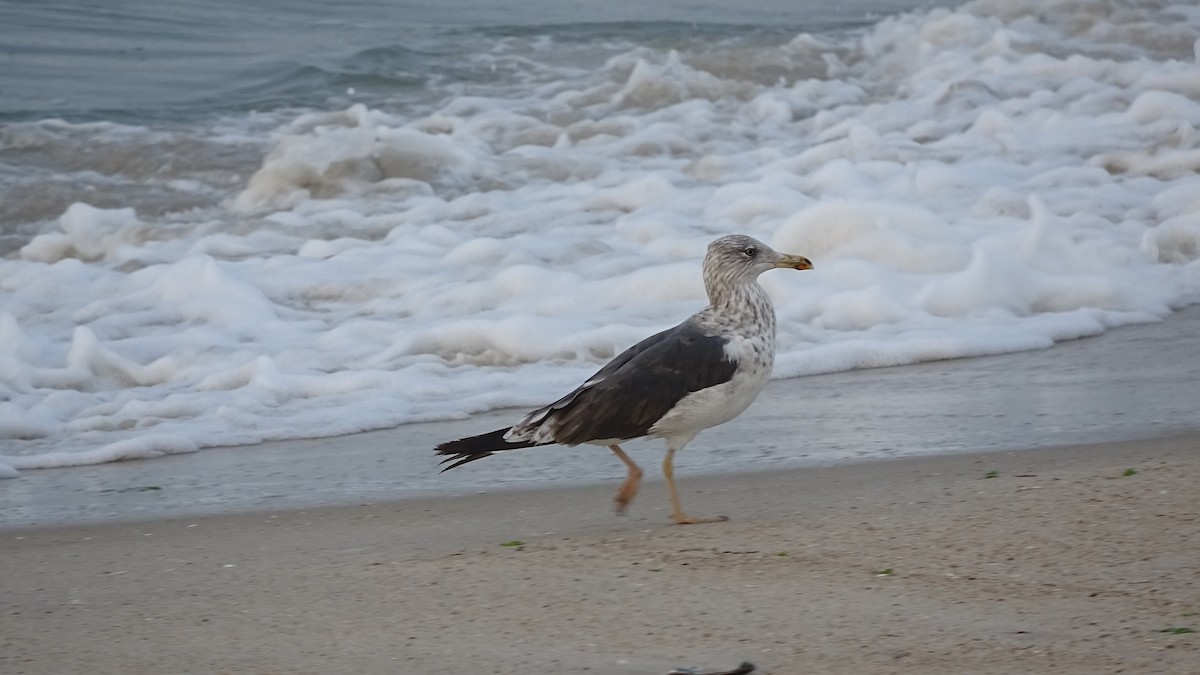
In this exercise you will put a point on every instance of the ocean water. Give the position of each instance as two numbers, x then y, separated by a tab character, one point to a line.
224	224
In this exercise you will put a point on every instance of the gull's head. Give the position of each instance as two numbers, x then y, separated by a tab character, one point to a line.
736	258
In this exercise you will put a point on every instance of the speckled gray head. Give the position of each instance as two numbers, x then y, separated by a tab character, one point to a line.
738	259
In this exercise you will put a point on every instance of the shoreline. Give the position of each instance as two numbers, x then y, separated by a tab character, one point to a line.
1132	382
1016	544
1059	562
599	491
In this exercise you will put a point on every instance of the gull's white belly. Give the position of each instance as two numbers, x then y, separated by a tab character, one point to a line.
723	402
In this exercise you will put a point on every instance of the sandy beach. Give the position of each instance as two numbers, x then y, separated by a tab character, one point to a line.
1080	559
258	259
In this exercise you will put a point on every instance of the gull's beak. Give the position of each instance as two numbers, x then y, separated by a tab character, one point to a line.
795	262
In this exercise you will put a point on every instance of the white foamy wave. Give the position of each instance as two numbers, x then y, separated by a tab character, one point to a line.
967	182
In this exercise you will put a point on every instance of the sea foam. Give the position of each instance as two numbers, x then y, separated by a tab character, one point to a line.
994	178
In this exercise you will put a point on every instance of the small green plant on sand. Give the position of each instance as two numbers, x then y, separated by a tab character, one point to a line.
1181	630
781	554
514	542
1129	472
885	572
991	474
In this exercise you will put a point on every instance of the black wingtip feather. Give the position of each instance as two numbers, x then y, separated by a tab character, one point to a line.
461	459
466	450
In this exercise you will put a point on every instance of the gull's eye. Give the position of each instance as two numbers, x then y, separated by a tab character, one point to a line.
750	252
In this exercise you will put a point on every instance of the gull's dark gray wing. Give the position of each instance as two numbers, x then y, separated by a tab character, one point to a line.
637	388
622	400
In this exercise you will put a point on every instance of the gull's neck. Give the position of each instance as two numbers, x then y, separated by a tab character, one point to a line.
739	302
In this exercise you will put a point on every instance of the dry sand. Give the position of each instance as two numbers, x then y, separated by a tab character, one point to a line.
1060	563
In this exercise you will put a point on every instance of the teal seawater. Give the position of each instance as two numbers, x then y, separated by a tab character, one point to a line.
169	62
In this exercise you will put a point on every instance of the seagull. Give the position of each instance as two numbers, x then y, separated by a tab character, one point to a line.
673	384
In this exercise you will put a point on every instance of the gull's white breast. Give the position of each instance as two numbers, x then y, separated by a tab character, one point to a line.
718	404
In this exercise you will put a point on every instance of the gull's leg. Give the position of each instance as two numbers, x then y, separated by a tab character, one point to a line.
630	487
677	513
